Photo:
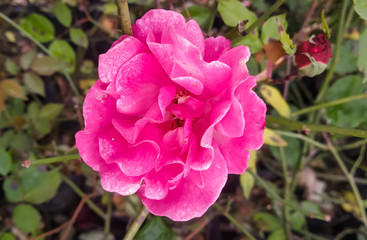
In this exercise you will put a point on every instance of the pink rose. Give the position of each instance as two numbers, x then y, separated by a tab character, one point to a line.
312	56
171	116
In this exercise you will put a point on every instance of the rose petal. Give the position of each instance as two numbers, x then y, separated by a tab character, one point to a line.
215	47
187	200
87	144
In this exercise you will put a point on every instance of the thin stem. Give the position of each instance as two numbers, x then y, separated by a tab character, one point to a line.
335	59
54	159
304	138
77	190
43	48
350	179
286	194
212	18
234	221
265	15
359	160
352	145
340	178
124	17
302	126
137	224
275	196
329	104
107	223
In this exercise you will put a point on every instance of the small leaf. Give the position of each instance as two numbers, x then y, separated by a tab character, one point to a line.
38	27
291	151
7	236
33	110
351	205
275	99
13	190
43	126
63	14
12	89
86	84
312	208
78	37
199	13
298	221
34	83
273	139
26	217
6	138
50	111
251	41
64	52
362	54
287	44
247	181
31	178
325	27
11	67
270	28
51	182
27	58
278	234
155	229
45	66
233	11
267	221
361	8
5	162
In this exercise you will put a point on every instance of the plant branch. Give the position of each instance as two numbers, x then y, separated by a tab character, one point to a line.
137	224
302	126
287	228
124	17
304	138
54	160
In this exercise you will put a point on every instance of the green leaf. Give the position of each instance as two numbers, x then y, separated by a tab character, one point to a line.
7	236
247	182
347	61
31	178
45	66
325	27
278	234
78	37
291	151
312	208
21	141
199	13
361	8
27	58
287	43
155	229
233	11
34	83
270	28
64	52
32	110
267	221
13	190
63	14
26	217
298	221
38	27
251	41
51	182
43	126
362	54
50	111
5	162
349	114
12	89
6	138
11	67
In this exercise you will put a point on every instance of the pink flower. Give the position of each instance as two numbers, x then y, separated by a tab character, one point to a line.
171	116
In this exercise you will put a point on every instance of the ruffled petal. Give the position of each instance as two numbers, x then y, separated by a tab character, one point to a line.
87	144
188	200
233	123
215	47
114	180
110	62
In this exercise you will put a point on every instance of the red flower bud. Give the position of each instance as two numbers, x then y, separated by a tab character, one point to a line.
313	55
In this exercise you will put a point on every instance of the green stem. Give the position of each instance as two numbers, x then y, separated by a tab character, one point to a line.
124	17
335	59
43	48
234	221
304	138
329	104
54	159
136	224
287	228
212	18
80	193
265	16
350	180
359	160
302	126
275	196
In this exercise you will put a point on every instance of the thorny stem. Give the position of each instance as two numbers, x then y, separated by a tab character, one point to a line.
54	159
350	179
329	104
137	224
302	126
234	221
286	194
124	17
43	48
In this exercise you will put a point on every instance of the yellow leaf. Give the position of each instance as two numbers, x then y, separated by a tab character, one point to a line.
351	204
86	84
12	89
252	161
247	181
275	99
273	139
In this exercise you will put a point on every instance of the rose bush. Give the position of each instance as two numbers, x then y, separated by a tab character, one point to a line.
312	56
171	116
